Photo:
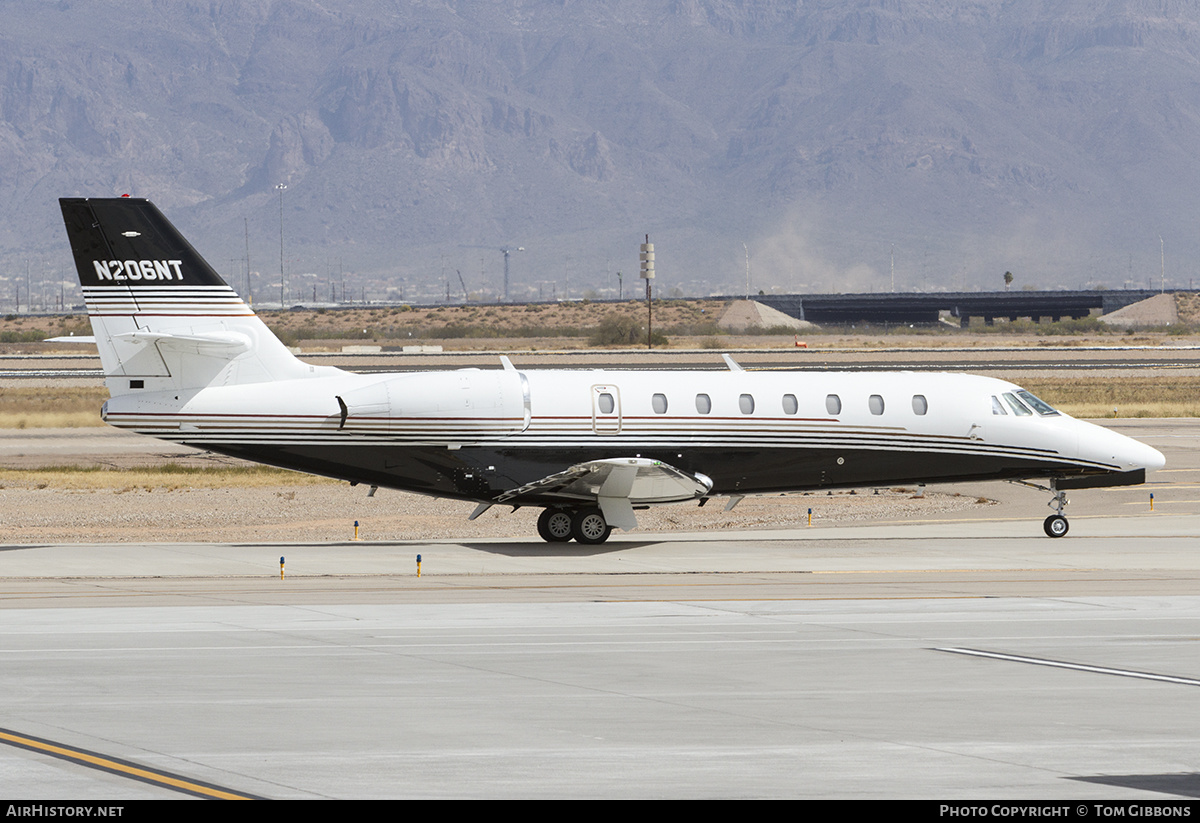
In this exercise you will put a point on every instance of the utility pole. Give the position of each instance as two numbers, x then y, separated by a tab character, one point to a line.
1162	273
747	251
249	292
647	259
281	188
506	250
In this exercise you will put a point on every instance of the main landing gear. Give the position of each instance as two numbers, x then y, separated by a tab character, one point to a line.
586	526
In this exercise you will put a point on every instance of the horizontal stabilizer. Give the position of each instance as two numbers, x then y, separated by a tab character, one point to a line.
226	343
73	338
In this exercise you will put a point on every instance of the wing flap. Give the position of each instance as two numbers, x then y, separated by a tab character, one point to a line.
616	485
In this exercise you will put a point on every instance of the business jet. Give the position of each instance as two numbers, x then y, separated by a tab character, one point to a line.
186	360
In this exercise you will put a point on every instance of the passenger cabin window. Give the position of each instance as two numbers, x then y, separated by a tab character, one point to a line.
659	402
833	404
1018	408
997	406
790	404
703	403
875	404
606	403
920	404
746	403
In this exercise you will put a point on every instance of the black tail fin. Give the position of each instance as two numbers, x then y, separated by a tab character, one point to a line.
162	317
127	241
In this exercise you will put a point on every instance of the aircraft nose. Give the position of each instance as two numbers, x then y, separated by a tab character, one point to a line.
1148	458
1125	452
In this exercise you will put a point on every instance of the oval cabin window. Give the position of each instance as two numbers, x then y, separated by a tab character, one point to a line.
606	403
790	404
920	404
833	404
746	403
659	402
703	403
875	404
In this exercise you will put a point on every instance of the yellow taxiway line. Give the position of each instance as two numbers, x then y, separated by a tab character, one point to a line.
121	767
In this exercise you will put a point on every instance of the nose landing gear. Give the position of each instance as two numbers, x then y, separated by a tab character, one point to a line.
1055	525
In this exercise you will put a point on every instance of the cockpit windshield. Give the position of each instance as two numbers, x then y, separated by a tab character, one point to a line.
1040	406
1016	405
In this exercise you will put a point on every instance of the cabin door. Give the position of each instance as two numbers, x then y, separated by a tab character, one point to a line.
606	410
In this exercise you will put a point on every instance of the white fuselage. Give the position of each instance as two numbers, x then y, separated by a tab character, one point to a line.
749	431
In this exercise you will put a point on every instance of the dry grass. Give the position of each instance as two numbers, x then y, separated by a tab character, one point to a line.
54	408
1131	396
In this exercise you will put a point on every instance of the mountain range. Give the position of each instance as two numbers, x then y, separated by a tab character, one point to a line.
829	145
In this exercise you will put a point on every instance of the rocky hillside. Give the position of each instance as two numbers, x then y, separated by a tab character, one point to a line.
844	142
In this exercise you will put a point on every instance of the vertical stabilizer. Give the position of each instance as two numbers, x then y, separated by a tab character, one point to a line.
163	318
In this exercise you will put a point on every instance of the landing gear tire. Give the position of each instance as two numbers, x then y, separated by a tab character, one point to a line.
554	525
589	527
1056	525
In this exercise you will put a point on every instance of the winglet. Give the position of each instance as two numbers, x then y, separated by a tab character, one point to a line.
731	363
508	366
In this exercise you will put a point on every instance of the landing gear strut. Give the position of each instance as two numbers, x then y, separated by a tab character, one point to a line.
1056	524
586	526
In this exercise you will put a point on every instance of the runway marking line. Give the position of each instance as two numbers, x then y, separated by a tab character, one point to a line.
1081	667
122	768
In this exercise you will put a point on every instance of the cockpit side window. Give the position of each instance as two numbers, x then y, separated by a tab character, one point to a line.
1018	408
997	406
1040	406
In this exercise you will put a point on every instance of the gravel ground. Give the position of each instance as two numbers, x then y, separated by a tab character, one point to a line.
175	509
326	512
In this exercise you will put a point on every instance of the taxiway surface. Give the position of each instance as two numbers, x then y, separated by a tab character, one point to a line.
951	659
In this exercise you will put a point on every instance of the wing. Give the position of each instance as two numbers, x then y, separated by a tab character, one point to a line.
616	485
